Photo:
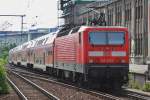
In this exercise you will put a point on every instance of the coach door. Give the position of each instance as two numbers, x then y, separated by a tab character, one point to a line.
44	58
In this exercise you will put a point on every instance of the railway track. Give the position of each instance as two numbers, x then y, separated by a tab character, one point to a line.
135	96
126	95
27	90
65	91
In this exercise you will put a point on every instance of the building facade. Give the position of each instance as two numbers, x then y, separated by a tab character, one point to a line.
71	10
12	37
129	13
17	38
35	33
132	14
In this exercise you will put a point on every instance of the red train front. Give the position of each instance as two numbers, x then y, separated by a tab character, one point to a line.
93	54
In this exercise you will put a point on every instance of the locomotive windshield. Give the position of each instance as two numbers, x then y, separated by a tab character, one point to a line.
106	38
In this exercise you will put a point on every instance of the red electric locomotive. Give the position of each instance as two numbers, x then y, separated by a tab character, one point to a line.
84	54
93	54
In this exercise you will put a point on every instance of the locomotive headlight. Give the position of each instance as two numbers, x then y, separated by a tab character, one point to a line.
119	53
95	53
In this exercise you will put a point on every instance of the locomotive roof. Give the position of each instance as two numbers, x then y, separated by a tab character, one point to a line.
68	30
82	28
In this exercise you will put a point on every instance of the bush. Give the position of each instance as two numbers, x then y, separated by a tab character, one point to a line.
146	87
4	88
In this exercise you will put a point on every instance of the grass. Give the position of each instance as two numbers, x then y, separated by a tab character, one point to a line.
146	87
135	85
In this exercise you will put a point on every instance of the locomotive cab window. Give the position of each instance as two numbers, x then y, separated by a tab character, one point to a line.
107	38
116	38
97	38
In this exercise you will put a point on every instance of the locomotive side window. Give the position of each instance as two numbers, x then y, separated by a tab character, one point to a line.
79	37
39	42
107	38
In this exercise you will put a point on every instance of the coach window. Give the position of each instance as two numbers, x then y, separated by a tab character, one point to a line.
37	61
40	61
40	42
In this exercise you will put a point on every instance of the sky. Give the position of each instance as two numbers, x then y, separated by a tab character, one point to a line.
41	13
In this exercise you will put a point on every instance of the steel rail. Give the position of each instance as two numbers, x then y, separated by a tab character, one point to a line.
31	73
102	95
135	95
49	95
128	93
20	94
